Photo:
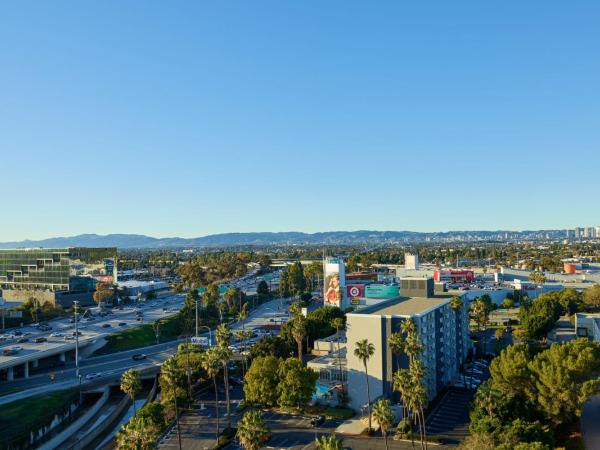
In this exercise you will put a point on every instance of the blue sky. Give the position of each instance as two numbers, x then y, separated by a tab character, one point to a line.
192	118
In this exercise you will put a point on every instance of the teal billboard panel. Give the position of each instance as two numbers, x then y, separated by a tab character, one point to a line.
381	291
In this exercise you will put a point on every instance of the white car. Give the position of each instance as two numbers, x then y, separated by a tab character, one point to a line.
56	334
91	376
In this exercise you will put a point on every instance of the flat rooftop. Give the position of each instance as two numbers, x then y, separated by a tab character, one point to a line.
405	306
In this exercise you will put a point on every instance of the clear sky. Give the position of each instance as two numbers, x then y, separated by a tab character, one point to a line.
191	118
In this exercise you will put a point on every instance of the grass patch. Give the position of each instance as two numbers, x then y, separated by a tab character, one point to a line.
21	416
339	413
141	336
330	412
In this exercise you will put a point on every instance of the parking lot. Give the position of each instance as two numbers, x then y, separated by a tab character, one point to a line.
450	418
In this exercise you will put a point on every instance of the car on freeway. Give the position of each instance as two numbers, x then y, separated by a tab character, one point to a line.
69	338
91	376
39	340
56	334
77	333
44	327
21	340
138	357
122	324
106	325
18	333
12	350
90	319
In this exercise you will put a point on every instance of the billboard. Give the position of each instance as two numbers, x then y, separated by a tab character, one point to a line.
355	290
334	287
381	291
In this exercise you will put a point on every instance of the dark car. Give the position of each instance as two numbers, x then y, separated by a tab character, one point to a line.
106	325
38	340
18	333
21	340
77	333
138	356
44	327
317	421
122	324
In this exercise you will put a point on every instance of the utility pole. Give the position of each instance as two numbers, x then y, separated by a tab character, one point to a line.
196	317
75	306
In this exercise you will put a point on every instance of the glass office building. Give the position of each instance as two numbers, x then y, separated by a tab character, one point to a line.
75	269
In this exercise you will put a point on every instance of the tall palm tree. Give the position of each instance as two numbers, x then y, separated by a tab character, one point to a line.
131	385
170	371
382	413
252	431
338	324
402	383
211	363
224	341
363	350
330	442
419	397
396	343
299	332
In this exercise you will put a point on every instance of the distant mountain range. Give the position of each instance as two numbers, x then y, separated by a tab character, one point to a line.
130	241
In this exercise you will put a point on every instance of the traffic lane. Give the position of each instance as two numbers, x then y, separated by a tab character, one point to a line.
65	324
90	332
106	363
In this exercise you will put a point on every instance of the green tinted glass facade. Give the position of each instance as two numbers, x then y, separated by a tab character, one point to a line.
58	269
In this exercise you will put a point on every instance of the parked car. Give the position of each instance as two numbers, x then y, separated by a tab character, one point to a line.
317	421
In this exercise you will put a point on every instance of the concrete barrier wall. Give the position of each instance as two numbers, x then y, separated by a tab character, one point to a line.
71	429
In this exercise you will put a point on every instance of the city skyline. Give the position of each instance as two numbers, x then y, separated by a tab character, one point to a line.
204	118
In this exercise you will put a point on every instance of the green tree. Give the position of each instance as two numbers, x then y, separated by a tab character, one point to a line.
252	431
261	381
396	343
507	303
565	376
296	383
531	446
329	442
510	372
271	345
570	300
131	385
363	350
103	293
262	291
537	277
383	415
592	296
171	373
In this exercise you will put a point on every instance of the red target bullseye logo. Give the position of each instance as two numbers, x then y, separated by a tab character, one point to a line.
354	291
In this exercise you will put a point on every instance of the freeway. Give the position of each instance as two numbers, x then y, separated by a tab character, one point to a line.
60	340
113	365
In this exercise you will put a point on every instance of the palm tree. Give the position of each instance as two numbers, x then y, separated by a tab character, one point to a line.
252	431
396	343
137	434
131	385
338	324
456	303
299	333
419	396
170	371
363	350
211	365
243	315
402	383
295	309
224	341
330	442
382	413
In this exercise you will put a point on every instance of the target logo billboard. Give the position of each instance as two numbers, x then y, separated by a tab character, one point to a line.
355	290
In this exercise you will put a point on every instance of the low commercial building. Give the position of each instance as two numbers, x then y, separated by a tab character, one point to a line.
588	325
443	333
56	275
137	287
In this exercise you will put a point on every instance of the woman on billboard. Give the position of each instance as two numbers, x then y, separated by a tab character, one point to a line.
333	294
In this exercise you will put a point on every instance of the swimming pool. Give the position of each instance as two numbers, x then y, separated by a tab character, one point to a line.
321	389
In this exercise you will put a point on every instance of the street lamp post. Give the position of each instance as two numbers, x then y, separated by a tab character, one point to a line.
209	333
